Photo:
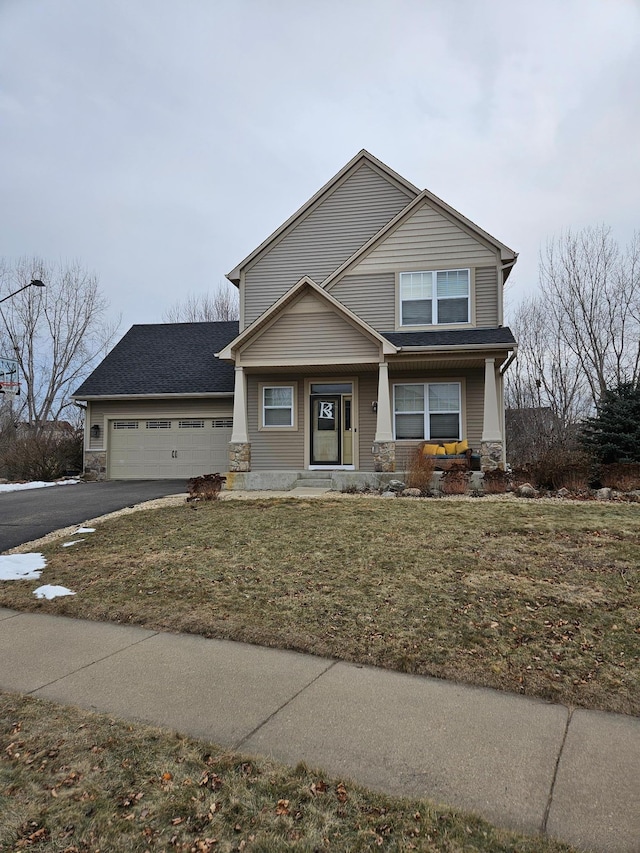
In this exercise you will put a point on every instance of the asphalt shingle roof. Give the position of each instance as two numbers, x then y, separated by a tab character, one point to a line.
453	337
166	358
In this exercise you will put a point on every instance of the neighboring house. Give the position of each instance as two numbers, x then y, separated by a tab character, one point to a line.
369	321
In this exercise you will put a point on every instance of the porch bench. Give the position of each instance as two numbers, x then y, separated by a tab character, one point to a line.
465	459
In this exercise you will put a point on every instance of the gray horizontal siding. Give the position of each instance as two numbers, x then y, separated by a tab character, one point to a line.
301	337
371	297
487	311
367	393
426	240
274	451
339	224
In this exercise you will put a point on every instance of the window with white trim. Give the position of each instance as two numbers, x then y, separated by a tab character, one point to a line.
434	298
430	411
277	406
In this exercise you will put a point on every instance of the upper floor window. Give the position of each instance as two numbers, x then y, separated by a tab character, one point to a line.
434	298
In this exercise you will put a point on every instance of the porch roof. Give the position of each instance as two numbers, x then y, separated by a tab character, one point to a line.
501	338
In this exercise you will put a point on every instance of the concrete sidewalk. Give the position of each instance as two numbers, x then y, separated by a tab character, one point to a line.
521	763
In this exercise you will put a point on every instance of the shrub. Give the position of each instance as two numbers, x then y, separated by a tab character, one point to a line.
562	469
624	476
419	471
206	487
454	482
42	455
494	482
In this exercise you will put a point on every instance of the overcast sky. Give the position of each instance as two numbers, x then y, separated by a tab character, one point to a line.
160	141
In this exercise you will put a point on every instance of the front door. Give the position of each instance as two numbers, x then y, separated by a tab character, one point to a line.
326	427
331	424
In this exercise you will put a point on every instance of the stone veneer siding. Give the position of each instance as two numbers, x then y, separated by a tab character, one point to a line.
95	464
384	456
491	455
239	456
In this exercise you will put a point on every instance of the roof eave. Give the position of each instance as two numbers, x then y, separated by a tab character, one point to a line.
456	348
181	395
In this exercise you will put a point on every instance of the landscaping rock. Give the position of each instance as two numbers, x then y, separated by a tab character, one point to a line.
604	494
388	495
526	490
412	493
563	493
634	495
395	486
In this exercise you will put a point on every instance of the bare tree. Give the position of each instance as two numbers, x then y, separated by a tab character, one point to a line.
592	289
546	391
578	338
56	333
222	304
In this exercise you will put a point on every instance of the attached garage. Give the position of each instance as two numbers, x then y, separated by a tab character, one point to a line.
168	448
160	405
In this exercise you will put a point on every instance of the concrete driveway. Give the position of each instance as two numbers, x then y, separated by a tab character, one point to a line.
32	513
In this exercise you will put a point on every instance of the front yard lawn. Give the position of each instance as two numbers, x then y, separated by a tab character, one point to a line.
535	597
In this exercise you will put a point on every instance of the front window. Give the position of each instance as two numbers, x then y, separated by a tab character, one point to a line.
277	406
429	411
434	298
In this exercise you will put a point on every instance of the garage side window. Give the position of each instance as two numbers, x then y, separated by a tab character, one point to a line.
278	411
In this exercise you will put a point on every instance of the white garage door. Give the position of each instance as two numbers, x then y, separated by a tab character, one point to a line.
162	449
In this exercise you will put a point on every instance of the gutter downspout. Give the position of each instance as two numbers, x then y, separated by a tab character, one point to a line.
509	361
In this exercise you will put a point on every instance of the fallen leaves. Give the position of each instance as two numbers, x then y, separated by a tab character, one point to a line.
210	780
282	807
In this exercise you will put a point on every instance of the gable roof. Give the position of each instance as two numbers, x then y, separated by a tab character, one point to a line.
164	358
353	164
506	254
305	283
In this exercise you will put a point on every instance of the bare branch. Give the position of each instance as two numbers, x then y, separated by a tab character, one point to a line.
222	304
56	333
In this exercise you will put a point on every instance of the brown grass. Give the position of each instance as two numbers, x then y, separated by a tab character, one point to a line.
78	782
539	598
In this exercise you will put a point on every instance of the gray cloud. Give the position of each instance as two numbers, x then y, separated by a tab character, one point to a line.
160	142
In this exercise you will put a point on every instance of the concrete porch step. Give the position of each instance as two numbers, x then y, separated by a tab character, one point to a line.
312	483
315	475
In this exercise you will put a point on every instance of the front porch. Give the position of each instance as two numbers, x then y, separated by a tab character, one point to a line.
335	481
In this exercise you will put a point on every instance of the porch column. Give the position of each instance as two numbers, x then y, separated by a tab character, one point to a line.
239	446
384	447
491	445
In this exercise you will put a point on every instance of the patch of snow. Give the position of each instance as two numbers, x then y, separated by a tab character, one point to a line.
85	530
73	542
36	484
21	567
50	591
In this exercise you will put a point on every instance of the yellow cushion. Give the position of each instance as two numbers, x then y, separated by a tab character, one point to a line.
450	448
430	449
462	446
441	451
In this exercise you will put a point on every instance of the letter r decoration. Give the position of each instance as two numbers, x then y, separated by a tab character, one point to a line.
326	411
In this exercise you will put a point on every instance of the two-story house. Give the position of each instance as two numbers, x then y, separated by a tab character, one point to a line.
369	321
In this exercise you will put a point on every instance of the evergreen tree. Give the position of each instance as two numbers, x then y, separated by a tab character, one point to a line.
613	435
